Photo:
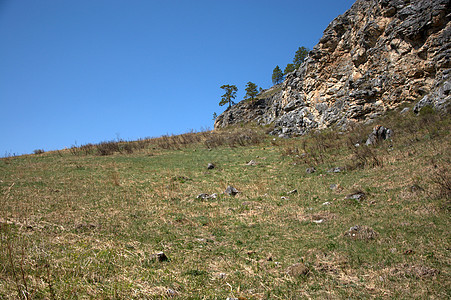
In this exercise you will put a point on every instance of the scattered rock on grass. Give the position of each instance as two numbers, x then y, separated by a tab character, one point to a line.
292	192
210	166
335	170
231	191
310	170
171	292
207	196
160	257
415	188
359	195
361	232
252	163
297	270
378	134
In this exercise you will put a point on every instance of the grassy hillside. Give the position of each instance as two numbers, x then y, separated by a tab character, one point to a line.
88	222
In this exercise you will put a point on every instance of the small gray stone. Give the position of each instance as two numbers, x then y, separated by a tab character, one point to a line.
379	133
230	190
252	163
356	195
171	292
310	170
160	256
292	192
205	196
335	170
210	166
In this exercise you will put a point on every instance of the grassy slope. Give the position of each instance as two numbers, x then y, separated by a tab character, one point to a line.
86	226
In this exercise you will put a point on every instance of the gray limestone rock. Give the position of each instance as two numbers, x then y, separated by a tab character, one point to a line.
378	134
361	232
376	57
205	196
252	163
359	195
231	191
310	170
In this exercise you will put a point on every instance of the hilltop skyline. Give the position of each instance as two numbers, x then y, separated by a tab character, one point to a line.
85	72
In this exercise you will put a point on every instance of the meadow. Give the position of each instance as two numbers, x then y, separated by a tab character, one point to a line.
91	222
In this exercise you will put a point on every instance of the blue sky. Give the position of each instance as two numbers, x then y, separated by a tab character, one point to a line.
86	71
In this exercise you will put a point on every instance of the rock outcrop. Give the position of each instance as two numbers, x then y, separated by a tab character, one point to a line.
373	58
262	111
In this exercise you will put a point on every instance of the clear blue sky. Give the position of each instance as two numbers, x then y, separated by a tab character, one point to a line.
87	71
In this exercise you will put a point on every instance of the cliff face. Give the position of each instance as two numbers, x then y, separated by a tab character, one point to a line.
373	58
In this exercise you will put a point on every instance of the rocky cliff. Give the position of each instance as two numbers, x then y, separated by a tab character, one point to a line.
375	57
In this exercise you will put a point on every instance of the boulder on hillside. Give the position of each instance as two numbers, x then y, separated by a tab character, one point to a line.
379	134
231	191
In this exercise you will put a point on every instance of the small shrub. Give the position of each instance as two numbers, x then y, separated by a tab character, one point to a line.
442	179
128	148
364	156
107	148
74	150
427	110
234	139
38	151
87	149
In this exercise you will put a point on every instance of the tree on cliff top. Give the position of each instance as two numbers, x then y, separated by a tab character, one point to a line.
288	69
230	94
299	57
251	91
277	75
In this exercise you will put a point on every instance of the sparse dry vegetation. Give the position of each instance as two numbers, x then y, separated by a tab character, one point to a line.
90	222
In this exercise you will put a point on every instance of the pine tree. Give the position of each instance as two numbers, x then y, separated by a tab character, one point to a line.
230	94
288	69
251	91
299	57
277	75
